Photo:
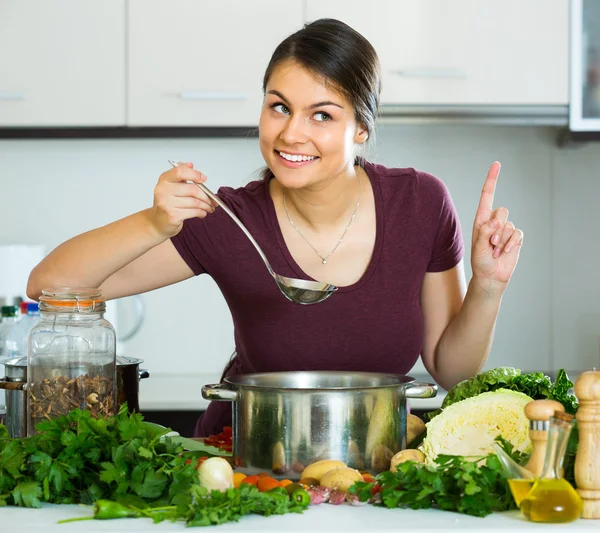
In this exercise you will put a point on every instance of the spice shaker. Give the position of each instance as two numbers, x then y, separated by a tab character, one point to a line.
539	412
71	357
587	461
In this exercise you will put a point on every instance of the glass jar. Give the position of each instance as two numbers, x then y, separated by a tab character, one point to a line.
71	357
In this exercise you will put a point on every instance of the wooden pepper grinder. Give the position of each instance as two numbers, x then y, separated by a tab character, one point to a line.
587	461
539	413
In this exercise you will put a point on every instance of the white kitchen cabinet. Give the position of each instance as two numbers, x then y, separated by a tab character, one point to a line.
62	63
201	62
463	52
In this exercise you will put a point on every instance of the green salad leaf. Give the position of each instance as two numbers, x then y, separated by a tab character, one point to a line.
536	385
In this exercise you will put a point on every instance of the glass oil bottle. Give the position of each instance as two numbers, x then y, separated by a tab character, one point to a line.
520	480
552	498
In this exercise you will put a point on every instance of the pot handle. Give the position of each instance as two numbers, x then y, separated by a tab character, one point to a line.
12	385
143	373
421	390
219	391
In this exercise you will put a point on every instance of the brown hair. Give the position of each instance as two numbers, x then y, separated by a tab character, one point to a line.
333	50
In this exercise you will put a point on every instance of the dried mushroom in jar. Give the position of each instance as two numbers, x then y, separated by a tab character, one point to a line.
52	397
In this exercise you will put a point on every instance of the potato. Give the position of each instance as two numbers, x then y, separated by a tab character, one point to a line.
341	479
414	427
320	468
406	455
380	458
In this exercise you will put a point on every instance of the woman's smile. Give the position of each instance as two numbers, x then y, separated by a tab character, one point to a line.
295	160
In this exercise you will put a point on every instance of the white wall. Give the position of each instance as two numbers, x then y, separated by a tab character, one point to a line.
550	318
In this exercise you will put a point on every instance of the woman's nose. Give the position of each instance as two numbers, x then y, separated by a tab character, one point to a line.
295	130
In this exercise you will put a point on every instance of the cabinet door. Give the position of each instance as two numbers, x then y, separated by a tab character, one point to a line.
463	51
62	63
201	62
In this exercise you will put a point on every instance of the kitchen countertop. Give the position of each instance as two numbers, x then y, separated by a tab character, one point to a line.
183	392
319	519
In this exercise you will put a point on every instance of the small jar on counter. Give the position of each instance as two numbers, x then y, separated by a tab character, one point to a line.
71	358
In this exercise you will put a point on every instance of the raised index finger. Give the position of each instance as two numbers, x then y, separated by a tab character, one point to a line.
484	210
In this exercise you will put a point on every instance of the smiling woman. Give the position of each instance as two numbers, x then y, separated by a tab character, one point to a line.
389	238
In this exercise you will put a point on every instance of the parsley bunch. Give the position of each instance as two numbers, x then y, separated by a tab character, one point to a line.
453	483
80	459
126	468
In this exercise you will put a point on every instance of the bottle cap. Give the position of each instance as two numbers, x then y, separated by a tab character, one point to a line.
9	310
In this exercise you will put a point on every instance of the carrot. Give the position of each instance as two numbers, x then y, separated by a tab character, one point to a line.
267	483
250	480
285	482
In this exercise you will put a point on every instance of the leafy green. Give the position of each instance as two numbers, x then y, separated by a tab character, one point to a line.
198	446
126	466
199	507
534	384
475	486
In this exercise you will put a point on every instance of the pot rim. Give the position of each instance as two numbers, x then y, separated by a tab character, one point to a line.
394	380
21	361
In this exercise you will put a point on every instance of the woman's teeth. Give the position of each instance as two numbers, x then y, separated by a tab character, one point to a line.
291	157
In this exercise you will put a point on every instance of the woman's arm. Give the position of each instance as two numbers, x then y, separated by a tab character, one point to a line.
459	333
459	328
131	255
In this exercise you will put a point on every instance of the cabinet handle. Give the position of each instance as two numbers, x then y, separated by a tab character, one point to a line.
199	95
454	73
7	95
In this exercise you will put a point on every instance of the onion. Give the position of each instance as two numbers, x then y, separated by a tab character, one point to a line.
216	474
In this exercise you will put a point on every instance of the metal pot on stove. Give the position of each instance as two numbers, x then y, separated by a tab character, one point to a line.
284	421
15	384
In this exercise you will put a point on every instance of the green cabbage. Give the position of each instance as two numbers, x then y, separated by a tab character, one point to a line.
469	427
534	384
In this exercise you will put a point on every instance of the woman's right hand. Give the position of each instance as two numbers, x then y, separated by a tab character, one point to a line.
175	200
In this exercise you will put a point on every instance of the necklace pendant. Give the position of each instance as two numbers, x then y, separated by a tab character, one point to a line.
324	261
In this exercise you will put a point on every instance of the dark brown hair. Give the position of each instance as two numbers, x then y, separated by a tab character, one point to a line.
343	57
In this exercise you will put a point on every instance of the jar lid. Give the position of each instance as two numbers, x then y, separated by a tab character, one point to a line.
69	300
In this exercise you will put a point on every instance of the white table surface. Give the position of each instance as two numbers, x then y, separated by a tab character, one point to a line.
322	518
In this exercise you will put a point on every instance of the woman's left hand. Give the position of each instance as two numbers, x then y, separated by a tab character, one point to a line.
496	242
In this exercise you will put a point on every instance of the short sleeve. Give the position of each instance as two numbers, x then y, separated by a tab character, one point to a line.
448	245
186	242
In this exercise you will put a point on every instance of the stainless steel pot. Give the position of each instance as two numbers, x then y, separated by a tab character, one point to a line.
283	421
15	384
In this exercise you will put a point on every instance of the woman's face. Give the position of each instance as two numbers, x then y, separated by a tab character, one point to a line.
308	132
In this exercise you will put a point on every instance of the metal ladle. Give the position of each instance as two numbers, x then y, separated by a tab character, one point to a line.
300	291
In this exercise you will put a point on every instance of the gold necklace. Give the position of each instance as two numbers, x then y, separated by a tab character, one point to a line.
324	259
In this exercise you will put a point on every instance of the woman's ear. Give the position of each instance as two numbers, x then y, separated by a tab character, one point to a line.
361	135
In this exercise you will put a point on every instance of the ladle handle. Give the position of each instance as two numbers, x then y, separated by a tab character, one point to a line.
222	205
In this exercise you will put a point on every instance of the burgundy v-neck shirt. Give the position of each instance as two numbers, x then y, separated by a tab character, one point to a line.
374	325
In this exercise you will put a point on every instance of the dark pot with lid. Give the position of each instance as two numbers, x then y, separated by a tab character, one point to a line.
15	384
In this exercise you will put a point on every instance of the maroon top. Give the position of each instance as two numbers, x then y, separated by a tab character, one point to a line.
374	325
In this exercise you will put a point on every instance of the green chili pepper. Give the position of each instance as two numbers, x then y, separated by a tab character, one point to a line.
107	510
301	497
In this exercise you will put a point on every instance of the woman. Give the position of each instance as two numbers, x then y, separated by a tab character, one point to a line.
389	238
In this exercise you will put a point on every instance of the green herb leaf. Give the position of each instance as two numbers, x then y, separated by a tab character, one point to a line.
27	494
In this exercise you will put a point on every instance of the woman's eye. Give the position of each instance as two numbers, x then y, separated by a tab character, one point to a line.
321	116
281	108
